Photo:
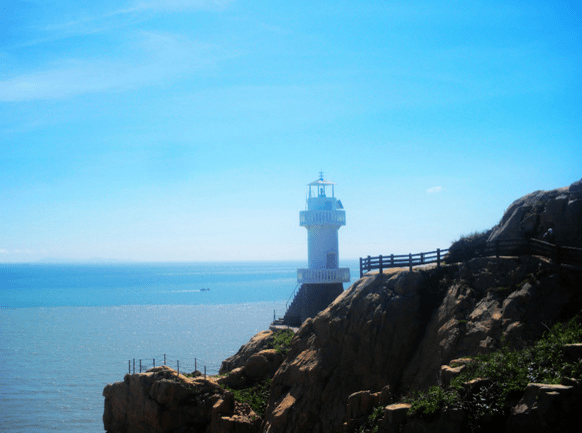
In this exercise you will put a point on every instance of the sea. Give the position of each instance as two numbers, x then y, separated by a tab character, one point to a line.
67	330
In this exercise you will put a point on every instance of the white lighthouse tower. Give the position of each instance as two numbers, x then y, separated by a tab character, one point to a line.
322	281
322	219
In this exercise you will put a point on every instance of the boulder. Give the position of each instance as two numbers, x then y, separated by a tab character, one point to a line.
573	352
395	417
547	408
261	341
534	214
263	364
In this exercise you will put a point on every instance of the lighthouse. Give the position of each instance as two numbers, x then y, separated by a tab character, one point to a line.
323	218
322	281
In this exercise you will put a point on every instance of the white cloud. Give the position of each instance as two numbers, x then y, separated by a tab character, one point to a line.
160	56
434	190
179	5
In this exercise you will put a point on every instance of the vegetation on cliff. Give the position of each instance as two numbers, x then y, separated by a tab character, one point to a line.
255	395
471	245
282	341
489	385
251	382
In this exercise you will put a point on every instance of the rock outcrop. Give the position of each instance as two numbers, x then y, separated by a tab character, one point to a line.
397	330
534	214
163	401
261	341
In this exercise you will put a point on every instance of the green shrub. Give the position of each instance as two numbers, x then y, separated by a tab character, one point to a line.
282	341
542	362
431	402
371	424
507	373
257	395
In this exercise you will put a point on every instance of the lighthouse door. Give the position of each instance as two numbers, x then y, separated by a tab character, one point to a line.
331	262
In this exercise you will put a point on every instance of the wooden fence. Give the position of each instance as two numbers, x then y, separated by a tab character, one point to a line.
399	261
559	253
513	247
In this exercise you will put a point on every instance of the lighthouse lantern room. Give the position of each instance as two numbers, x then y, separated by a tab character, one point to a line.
322	219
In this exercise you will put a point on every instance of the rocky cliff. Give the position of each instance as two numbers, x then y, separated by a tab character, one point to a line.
388	333
395	331
534	214
161	400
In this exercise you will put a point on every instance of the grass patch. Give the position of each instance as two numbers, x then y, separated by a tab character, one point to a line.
282	341
257	395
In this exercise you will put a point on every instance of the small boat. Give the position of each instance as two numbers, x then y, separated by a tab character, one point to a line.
204	290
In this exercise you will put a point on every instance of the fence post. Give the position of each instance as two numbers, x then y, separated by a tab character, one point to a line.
392	260
154	362
361	269
410	262
140	365
164	359
422	258
178	366
438	257
133	365
380	258
204	372
195	364
129	366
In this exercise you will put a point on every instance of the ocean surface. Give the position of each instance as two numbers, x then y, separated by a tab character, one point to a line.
66	331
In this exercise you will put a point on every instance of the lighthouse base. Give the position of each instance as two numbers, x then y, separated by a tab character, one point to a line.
310	300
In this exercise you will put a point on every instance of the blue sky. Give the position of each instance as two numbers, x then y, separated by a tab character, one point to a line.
187	130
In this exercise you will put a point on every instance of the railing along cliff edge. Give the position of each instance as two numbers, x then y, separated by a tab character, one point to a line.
399	261
515	247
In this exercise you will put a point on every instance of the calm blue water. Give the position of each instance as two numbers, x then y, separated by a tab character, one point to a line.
68	330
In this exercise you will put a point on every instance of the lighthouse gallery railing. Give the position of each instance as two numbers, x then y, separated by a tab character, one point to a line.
314	217
307	275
